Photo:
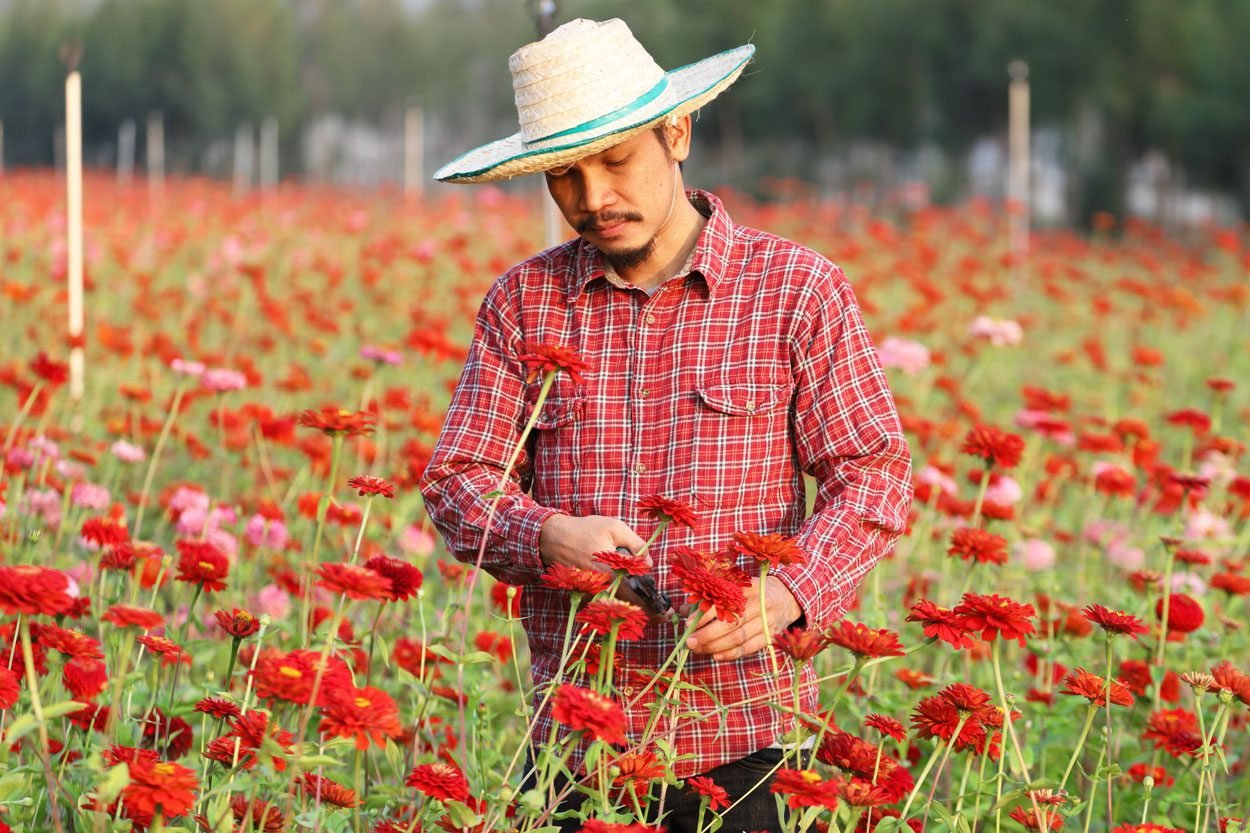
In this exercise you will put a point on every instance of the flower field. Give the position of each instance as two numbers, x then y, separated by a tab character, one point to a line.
222	606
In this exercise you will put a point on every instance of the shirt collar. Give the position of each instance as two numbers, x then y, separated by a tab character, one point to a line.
710	257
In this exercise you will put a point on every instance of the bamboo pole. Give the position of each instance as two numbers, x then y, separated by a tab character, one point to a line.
414	151
156	154
1018	196
73	171
126	150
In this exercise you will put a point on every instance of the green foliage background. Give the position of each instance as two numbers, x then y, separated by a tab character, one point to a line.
1119	76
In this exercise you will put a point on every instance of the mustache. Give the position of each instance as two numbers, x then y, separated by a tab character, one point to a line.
607	218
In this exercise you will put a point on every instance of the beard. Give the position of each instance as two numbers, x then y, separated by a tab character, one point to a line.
621	258
629	258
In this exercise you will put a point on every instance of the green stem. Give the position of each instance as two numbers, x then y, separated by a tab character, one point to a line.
156	456
1080	743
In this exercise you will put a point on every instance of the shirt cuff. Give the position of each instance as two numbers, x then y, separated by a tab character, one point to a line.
524	530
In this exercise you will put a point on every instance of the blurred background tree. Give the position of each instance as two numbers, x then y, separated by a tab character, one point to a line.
1115	79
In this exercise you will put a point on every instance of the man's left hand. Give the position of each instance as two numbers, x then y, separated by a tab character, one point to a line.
747	634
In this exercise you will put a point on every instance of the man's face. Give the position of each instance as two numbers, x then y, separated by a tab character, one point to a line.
619	198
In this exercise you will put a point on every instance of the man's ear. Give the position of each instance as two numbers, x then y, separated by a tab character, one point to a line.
678	134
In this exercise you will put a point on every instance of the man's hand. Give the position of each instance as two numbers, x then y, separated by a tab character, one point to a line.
573	542
743	637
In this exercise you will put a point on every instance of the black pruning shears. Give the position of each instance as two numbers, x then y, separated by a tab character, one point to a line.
655	599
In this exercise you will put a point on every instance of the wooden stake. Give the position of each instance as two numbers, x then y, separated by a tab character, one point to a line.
156	154
414	151
243	150
269	153
1018	196
126	150
73	171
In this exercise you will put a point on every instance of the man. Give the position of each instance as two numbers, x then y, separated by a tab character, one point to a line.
724	363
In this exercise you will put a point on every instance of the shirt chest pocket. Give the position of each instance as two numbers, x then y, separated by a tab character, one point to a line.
741	442
552	446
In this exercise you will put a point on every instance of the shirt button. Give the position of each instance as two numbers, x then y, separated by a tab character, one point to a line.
644	393
627	690
751	406
640	469
650	318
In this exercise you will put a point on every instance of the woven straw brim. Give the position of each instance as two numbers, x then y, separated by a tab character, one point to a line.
689	88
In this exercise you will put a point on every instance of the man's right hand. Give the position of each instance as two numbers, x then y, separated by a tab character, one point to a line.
572	541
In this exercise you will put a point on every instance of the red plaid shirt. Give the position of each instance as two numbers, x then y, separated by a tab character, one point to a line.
721	389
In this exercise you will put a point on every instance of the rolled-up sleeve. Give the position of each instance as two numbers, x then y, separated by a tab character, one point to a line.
482	428
848	437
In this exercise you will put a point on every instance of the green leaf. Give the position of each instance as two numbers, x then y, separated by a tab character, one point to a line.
309	762
115	780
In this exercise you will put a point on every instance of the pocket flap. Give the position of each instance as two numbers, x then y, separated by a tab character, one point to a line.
744	399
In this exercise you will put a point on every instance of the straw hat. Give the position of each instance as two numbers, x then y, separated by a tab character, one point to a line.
585	87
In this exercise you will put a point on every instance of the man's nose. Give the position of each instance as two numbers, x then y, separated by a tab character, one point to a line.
597	193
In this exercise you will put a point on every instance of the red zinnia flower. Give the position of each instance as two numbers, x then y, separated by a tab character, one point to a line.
1146	827
575	580
253	729
637	771
541	359
1230	678
583	710
1038	819
995	616
159	786
704	786
967	698
864	641
994	446
774	549
239	624
1115	481
937	717
802	644
170	652
10	688
667	510
27	589
886	725
368	485
218	707
405	578
1185	615
1081	683
105	532
711	583
440	781
355	580
805	788
1173	730
366	714
51	372
975	544
1234	584
290	676
126	616
601	615
627	563
1138	773
334	421
200	562
325	791
1114	621
83	678
940	622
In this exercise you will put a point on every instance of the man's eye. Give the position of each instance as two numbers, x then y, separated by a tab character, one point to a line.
616	163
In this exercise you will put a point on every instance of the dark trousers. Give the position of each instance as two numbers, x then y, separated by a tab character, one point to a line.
758	811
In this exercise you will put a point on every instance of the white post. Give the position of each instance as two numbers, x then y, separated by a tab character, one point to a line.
1	147
243	149
269	153
126	150
73	170
156	154
1018	197
414	151
553	221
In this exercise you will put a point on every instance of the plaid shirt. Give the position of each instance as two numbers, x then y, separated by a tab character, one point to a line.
720	389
